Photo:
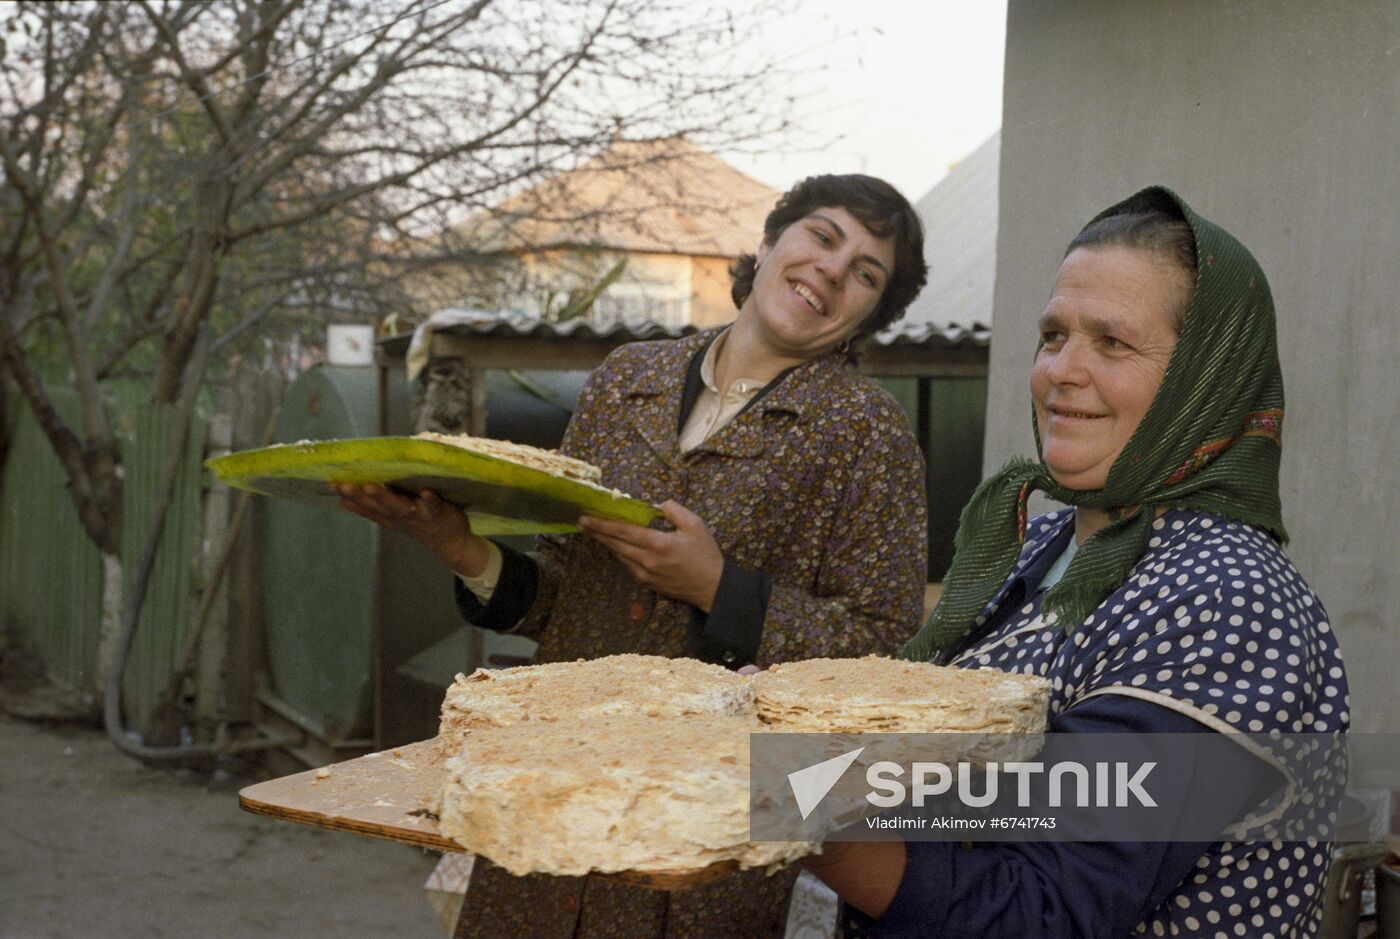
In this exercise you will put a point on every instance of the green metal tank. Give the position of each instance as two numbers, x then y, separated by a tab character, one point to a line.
362	634
318	574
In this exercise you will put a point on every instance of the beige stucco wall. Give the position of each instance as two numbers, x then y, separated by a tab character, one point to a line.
710	303
1281	121
674	289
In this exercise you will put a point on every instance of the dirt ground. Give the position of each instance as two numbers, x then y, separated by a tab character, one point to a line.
92	843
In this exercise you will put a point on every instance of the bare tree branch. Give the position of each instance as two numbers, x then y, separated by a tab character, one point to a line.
84	376
196	81
240	167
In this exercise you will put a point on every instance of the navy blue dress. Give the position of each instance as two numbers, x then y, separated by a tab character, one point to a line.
1213	631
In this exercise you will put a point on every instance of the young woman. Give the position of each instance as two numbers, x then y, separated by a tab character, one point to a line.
794	493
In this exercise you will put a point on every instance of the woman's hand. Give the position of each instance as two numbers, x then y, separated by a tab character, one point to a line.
866	874
442	527
684	564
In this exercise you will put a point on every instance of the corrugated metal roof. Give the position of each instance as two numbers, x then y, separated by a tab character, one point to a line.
477	323
666	196
960	242
463	322
935	335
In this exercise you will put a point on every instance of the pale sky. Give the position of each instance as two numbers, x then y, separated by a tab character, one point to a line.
905	88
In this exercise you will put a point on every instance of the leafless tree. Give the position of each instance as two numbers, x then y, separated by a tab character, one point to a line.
176	171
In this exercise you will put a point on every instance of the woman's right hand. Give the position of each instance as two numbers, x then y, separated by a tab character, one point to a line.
442	527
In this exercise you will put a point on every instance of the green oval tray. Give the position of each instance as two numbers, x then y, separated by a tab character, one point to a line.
501	497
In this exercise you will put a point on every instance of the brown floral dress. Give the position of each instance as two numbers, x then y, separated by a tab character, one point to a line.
820	485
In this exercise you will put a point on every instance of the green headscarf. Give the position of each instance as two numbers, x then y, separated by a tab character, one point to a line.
1211	441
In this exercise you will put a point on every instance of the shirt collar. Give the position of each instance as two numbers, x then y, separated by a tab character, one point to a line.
1043	554
1037	557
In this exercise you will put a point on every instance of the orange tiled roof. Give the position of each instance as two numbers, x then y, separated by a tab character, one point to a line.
666	196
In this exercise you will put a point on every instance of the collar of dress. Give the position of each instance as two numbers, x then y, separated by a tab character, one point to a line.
664	373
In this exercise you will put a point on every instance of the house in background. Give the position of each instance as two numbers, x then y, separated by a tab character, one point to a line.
672	215
947	406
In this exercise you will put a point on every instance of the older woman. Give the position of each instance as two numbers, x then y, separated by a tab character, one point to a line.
1161	602
795	496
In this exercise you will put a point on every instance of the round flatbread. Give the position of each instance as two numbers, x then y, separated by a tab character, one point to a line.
648	685
880	695
620	792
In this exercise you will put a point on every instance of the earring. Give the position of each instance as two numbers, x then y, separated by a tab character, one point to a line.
845	347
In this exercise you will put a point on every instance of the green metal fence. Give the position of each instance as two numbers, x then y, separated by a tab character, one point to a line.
50	573
948	416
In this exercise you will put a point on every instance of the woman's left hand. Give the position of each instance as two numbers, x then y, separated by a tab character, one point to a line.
684	564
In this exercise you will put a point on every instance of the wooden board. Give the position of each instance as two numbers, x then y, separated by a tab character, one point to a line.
390	795
385	795
502	497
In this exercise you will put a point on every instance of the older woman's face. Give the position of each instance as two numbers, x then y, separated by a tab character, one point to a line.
1107	335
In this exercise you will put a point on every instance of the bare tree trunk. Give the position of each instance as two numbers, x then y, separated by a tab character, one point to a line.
169	167
192	309
4	423
113	584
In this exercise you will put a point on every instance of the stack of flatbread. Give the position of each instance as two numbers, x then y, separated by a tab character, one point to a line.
628	762
641	763
613	793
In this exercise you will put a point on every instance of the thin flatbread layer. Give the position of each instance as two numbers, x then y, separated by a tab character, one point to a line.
647	685
880	695
549	461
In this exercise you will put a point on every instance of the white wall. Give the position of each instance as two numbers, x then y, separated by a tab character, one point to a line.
1279	120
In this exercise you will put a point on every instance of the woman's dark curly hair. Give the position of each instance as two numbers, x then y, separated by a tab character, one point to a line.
880	208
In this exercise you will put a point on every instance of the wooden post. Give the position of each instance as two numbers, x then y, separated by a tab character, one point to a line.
254	408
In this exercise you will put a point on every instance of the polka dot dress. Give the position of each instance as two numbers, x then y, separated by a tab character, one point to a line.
1214	623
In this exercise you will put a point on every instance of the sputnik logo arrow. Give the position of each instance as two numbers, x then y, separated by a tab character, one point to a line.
811	784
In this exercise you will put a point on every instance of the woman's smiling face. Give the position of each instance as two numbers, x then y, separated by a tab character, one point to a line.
818	282
1107	335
